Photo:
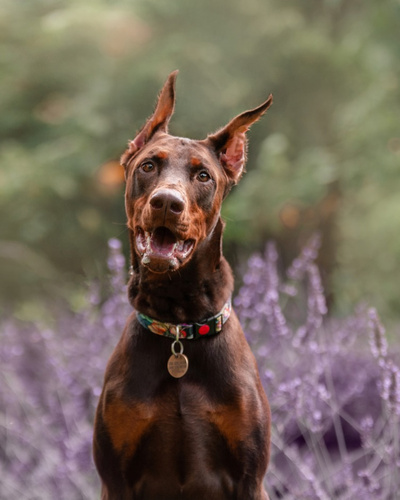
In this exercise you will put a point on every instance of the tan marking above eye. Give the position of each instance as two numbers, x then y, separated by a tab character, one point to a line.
162	155
195	162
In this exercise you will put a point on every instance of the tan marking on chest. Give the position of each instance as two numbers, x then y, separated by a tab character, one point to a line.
231	423
127	424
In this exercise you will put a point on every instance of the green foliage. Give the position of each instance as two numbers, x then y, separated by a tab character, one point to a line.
79	78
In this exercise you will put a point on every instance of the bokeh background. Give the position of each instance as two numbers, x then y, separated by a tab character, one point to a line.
79	78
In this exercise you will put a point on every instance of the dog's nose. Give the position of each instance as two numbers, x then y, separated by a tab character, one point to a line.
168	200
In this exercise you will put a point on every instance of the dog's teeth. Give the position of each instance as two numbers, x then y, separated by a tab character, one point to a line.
146	259
148	240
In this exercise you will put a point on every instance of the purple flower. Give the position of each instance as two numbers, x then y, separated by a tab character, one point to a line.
378	340
335	406
316	309
390	387
308	255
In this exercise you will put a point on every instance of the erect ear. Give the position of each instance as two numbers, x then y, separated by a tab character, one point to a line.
230	143
159	120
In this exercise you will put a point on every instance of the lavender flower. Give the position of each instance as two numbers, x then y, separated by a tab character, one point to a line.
390	372
258	301
378	340
308	255
335	407
316	309
390	387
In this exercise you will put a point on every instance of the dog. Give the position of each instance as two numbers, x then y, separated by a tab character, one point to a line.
182	414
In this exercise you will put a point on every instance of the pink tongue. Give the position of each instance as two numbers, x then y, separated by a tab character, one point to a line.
162	241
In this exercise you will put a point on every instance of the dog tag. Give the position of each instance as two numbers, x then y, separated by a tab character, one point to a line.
178	365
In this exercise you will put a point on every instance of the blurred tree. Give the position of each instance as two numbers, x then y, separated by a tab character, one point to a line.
78	79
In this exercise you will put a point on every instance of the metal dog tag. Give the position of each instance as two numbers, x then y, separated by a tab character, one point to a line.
178	365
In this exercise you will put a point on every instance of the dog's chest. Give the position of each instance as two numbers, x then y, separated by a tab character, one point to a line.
177	420
180	440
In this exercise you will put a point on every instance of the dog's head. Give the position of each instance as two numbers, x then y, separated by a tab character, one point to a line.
175	186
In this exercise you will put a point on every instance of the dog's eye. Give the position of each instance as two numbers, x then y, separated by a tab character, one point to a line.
203	176
147	166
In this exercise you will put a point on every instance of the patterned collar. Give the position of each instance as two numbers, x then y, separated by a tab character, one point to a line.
206	328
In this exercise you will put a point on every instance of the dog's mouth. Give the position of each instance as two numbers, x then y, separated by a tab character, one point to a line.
161	250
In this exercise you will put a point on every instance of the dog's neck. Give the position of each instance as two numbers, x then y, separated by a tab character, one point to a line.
196	291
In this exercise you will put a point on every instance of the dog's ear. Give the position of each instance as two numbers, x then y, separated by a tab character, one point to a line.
159	120
230	143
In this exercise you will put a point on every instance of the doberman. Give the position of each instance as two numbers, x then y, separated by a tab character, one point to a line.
182	414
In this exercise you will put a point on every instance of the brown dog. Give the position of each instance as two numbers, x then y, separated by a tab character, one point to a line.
193	423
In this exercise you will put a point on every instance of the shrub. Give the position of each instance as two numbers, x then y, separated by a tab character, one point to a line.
335	407
335	404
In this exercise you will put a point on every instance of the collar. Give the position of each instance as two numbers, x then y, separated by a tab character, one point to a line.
206	328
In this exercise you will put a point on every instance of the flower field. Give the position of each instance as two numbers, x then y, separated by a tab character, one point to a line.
333	386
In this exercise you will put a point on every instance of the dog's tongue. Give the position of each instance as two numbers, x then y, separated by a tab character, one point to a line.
162	241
